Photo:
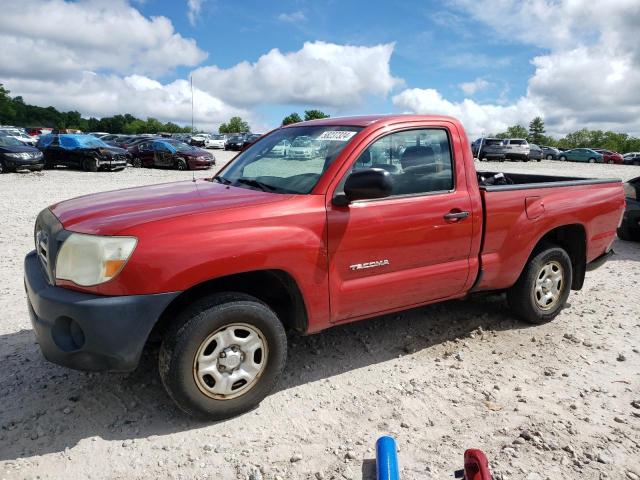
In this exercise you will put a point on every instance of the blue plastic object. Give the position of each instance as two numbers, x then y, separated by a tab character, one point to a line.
387	459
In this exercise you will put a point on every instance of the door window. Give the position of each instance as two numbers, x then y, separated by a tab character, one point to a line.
419	161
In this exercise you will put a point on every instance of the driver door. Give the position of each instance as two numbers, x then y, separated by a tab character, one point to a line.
163	155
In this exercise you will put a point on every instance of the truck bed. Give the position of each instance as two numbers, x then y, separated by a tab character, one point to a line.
523	208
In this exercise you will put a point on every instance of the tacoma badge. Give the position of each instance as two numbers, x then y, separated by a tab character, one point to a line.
362	266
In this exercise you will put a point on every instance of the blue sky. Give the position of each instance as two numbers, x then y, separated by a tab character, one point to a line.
435	46
491	63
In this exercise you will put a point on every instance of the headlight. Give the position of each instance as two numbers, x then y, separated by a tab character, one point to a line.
90	260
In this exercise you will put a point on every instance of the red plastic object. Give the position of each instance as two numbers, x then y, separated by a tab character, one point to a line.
476	466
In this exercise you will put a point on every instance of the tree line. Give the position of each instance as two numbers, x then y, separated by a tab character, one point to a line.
14	111
584	138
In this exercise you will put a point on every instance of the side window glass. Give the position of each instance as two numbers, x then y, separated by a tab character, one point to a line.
419	161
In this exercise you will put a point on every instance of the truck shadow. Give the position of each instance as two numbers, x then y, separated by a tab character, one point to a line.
48	409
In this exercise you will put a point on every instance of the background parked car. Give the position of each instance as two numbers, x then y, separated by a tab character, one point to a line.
37	131
199	140
630	227
217	141
632	158
236	142
516	149
535	152
19	134
14	155
250	138
581	155
488	149
609	156
169	153
550	153
301	147
81	151
281	148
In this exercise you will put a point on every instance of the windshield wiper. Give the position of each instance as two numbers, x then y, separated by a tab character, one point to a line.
256	183
222	180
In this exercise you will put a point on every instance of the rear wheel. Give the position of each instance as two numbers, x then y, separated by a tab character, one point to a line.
592	160
549	157
543	287
136	163
223	356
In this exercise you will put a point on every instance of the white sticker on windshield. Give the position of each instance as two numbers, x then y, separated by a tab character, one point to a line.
336	135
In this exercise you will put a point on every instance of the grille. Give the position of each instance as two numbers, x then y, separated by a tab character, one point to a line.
49	235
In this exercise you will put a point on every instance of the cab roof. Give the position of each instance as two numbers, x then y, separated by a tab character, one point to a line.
367	120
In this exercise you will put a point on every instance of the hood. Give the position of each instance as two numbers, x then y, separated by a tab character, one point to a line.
195	153
114	150
109	213
18	149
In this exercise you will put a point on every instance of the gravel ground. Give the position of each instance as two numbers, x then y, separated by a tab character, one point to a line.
555	401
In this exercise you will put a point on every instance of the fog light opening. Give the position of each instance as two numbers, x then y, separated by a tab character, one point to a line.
67	334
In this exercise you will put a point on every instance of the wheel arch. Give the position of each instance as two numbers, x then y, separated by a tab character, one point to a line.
573	239
277	288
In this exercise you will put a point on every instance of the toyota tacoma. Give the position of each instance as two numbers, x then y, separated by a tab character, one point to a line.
390	214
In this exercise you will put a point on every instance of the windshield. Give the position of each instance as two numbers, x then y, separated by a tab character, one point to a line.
267	166
217	137
9	142
180	146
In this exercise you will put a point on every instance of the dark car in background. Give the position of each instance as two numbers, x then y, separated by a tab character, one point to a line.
81	151
235	142
14	155
535	152
170	153
630	226
250	138
632	158
550	153
581	155
488	149
609	156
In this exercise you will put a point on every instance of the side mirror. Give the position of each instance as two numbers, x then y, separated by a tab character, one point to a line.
365	184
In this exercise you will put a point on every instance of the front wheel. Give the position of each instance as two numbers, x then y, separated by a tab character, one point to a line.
563	158
549	157
136	163
592	160
90	165
181	164
543	287
223	356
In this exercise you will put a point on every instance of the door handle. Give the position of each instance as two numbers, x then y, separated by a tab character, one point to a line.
456	216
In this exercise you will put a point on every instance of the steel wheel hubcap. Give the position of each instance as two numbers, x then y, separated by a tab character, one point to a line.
549	285
230	361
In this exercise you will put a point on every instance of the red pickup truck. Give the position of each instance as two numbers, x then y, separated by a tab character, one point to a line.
385	213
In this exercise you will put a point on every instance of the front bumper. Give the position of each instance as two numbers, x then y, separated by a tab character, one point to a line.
89	332
23	163
112	164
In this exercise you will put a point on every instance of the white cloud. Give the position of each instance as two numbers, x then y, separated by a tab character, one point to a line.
293	17
104	95
194	8
477	118
321	74
589	78
57	38
469	88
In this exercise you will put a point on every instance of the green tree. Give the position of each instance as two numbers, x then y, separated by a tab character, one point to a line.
514	131
234	125
536	130
7	110
314	115
291	118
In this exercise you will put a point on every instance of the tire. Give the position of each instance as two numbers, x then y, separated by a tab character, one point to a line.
2	168
136	163
563	158
592	160
549	157
636	162
181	164
191	335
527	297
624	233
36	169
90	165
610	162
